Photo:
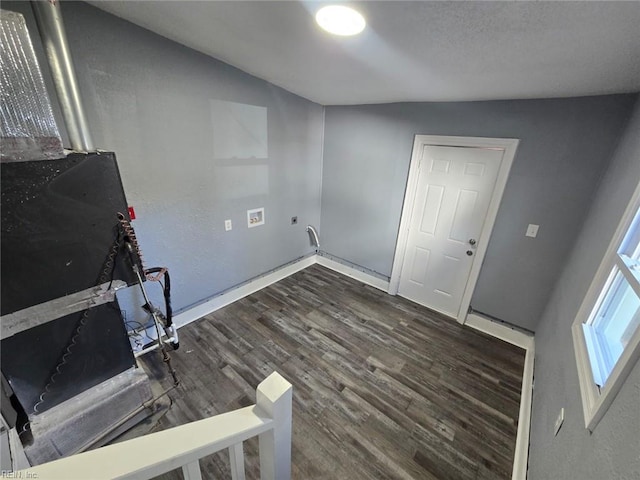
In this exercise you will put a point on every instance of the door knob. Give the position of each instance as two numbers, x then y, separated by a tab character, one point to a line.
469	252
472	241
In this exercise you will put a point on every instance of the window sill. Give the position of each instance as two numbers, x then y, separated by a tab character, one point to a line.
596	401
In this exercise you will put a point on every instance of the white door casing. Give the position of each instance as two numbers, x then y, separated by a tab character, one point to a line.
453	192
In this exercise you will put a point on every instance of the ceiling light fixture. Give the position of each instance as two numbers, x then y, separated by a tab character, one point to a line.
340	20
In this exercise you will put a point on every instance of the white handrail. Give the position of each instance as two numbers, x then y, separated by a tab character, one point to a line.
157	453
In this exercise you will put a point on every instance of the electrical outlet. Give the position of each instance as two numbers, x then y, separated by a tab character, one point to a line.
532	230
227	225
559	421
294	220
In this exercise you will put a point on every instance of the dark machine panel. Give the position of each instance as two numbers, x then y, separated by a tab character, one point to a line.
30	359
59	226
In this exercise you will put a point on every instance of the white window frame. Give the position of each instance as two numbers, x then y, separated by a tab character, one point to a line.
596	400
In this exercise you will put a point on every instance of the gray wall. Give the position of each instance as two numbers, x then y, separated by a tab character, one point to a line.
565	146
150	100
613	450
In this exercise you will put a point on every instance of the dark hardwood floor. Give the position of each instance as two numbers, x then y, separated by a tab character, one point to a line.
382	388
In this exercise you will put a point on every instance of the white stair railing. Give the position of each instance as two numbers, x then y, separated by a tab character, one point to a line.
182	447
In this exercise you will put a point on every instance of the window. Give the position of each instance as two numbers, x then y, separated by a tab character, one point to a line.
607	328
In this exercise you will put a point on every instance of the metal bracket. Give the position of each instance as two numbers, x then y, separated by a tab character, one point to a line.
27	318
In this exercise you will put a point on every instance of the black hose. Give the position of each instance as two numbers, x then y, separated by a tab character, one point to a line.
166	291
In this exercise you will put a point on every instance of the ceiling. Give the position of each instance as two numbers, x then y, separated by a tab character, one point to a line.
413	51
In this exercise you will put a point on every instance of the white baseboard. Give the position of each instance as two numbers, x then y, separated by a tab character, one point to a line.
235	294
521	457
525	341
499	330
353	273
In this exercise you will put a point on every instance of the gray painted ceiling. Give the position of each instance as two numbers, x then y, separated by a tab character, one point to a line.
413	51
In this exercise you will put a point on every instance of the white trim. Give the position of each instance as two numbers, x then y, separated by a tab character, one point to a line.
253	286
499	330
509	146
405	217
353	273
527	342
521	456
595	402
242	291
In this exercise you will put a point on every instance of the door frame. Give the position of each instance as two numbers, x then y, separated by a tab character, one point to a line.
509	146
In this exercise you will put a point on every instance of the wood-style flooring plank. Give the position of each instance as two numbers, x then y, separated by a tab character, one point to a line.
383	388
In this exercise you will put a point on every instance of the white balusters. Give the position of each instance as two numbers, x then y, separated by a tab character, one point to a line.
191	471
236	460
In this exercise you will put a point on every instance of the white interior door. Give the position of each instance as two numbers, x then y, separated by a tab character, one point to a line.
453	194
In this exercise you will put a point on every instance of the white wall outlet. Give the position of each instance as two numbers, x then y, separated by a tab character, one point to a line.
228	225
532	230
559	421
255	217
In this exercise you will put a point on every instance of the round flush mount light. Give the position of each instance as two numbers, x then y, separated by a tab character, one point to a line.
340	20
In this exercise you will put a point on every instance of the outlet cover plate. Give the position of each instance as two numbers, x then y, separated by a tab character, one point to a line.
255	217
